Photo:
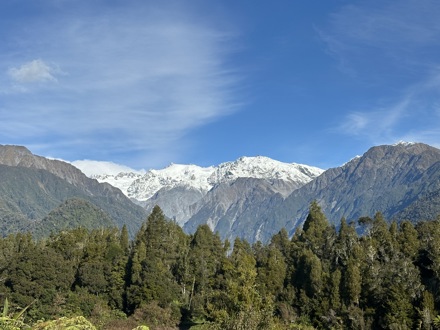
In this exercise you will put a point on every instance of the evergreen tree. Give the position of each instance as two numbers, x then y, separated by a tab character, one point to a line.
408	240
352	283
271	271
346	244
156	254
206	256
317	235
281	242
429	256
310	280
245	308
36	276
426	310
124	240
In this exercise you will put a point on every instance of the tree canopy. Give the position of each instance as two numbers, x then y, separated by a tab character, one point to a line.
323	277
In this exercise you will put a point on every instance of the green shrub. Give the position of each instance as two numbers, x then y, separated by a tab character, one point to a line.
65	323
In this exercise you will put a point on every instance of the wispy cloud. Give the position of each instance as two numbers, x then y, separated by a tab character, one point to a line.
379	125
132	79
374	38
392	49
413	116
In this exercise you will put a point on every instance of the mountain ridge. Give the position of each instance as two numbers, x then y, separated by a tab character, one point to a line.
251	198
385	178
33	185
205	178
182	190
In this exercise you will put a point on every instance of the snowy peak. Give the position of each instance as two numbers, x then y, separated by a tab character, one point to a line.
119	176
261	167
143	186
122	180
204	178
170	177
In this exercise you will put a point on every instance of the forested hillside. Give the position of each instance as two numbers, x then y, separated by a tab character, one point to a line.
322	278
31	187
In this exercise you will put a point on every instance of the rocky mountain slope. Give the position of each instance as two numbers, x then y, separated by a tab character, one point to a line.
31	186
391	179
183	190
231	208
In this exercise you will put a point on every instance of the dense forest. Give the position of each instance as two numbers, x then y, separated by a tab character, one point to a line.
325	278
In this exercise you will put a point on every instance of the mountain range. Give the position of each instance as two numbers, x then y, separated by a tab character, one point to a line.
182	191
251	197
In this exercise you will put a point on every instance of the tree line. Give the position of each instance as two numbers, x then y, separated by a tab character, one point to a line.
323	277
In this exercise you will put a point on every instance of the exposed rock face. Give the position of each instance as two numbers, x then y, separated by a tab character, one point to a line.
386	178
178	203
232	209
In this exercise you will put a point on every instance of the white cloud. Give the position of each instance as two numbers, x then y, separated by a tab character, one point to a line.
33	71
139	79
93	167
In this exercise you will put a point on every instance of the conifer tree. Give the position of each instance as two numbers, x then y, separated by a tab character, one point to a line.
156	252
245	308
345	244
205	256
352	282
124	240
282	243
271	272
317	235
408	240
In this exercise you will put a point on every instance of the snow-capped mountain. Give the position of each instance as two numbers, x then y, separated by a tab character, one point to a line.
182	190
142	187
174	175
263	168
122	180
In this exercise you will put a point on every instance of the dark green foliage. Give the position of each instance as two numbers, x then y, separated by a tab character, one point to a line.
387	278
102	271
158	250
317	234
73	213
36	275
205	260
241	305
271	271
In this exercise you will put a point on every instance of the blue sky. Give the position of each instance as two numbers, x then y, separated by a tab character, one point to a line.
146	83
